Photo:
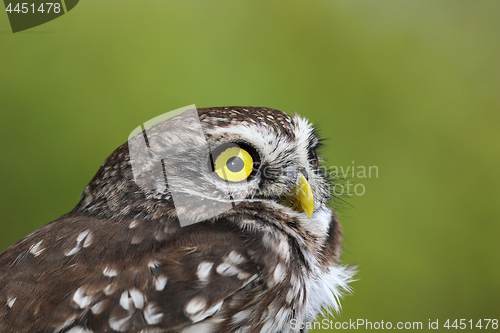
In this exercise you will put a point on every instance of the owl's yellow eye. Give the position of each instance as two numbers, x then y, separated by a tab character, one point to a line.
234	164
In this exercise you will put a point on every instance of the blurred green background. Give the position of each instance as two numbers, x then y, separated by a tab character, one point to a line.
411	87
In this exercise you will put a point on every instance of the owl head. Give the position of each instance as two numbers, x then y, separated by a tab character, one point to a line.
205	163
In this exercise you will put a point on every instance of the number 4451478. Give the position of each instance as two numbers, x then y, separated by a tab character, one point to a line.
30	8
463	324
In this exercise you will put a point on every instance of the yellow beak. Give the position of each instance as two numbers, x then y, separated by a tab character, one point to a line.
304	195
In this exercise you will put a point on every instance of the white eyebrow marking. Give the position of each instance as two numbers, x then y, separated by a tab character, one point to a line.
11	301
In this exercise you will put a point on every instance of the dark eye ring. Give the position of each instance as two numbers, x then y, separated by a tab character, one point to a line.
234	162
313	157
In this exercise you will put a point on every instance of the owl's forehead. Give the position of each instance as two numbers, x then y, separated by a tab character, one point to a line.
263	120
274	133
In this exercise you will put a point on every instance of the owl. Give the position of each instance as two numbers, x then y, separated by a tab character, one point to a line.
214	220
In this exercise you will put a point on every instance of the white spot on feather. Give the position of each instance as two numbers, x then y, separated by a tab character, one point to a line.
125	300
85	237
279	273
88	240
160	282
79	329
234	258
152	315
153	264
97	308
203	270
109	272
81	299
243	275
227	269
132	297
110	289
196	305
36	249
73	250
82	235
197	309
120	325
137	298
242	316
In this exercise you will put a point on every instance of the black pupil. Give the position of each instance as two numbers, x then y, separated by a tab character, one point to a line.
235	164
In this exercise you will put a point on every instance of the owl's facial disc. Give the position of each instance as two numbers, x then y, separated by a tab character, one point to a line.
237	162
